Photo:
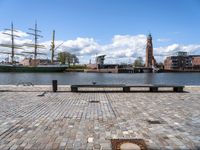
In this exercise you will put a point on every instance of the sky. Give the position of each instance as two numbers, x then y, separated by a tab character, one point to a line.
116	28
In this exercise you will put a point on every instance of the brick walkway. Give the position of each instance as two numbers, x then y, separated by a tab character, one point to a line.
89	120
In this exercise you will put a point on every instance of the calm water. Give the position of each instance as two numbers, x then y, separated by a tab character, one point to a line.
104	78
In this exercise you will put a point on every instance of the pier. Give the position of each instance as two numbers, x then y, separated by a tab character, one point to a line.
34	117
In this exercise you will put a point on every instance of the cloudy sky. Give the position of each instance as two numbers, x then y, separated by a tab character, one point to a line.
116	28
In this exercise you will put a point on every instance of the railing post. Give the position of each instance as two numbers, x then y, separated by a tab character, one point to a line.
54	85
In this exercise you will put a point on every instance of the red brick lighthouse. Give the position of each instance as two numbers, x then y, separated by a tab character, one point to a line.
150	61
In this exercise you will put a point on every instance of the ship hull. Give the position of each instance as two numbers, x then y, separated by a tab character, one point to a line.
32	69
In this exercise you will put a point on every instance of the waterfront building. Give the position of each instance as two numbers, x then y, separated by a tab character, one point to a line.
99	66
196	62
100	61
150	61
182	61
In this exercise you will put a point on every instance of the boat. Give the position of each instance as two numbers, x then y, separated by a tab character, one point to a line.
34	64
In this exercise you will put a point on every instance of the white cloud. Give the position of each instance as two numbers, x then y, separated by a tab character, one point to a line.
123	48
82	46
162	52
174	48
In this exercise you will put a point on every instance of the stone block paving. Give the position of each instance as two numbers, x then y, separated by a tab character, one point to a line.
66	120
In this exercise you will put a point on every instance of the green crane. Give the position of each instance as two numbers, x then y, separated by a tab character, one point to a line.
53	48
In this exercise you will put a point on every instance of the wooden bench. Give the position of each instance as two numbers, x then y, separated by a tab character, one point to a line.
150	86
176	88
127	88
74	88
155	87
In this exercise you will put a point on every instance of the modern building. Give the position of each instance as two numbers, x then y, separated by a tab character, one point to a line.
99	66
182	61
150	61
100	61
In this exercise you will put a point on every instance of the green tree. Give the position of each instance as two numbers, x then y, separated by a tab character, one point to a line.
75	59
138	62
62	57
66	57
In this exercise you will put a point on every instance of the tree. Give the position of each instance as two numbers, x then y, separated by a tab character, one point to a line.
66	57
75	59
138	62
62	57
160	65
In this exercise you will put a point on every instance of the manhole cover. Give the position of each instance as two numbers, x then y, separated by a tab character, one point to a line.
94	101
128	144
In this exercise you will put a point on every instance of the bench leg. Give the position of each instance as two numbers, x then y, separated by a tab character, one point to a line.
178	89
153	89
126	89
74	89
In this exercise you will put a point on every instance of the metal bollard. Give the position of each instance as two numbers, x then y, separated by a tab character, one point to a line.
54	85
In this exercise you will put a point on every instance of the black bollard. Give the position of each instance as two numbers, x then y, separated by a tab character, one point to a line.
54	85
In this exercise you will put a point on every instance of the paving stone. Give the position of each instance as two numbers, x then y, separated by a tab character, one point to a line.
69	121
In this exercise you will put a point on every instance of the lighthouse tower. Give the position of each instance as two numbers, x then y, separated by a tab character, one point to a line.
150	61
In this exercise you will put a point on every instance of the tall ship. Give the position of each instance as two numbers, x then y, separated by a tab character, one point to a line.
29	64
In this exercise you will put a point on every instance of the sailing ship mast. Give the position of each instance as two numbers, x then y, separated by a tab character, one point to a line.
12	34
35	33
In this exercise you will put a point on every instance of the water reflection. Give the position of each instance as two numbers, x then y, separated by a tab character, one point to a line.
149	78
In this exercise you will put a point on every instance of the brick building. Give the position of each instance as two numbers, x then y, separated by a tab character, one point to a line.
196	62
182	61
150	61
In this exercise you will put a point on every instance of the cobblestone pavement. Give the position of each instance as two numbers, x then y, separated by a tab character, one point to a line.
66	120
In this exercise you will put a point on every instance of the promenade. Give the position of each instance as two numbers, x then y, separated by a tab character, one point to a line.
66	120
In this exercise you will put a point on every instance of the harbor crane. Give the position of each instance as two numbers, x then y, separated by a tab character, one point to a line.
53	48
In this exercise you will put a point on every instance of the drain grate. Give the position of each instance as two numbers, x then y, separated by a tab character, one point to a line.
118	144
154	122
94	101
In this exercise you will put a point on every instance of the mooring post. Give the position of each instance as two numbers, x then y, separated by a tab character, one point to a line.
54	85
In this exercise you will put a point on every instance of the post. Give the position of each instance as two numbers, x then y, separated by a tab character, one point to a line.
54	85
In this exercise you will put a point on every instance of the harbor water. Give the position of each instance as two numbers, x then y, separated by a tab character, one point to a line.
100	78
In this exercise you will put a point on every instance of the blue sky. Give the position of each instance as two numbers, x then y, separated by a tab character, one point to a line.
170	21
